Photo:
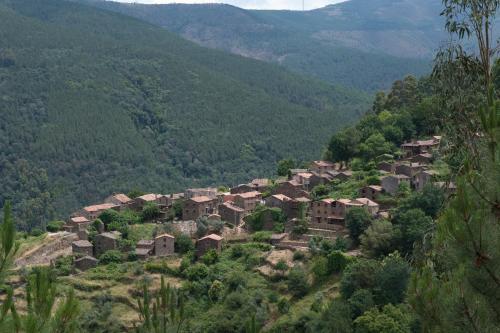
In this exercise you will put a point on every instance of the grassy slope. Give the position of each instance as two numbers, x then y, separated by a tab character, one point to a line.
104	102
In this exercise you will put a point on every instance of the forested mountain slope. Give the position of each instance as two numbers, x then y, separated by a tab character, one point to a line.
93	102
365	44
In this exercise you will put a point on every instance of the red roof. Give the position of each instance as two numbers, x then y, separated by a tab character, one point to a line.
96	208
248	195
201	199
79	219
212	236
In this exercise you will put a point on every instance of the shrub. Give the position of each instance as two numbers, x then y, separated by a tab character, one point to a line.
210	257
55	226
320	268
337	261
64	265
215	291
35	232
111	256
183	244
196	272
262	236
283	305
298	255
297	282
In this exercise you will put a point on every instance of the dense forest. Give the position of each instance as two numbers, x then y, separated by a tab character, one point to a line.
94	102
365	44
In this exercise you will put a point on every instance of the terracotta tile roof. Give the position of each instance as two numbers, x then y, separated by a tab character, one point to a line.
231	206
113	235
142	251
281	197
306	175
302	199
122	198
260	182
150	197
82	243
376	188
164	235
324	163
96	208
367	202
248	195
211	236
79	219
201	199
145	242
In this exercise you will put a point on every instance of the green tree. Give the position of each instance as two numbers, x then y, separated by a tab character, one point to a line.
111	256
390	319
8	250
45	312
413	225
284	167
357	221
343	145
183	244
361	301
297	282
457	286
379	239
376	145
162	314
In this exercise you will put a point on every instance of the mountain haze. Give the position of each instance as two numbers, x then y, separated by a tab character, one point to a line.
93	102
365	44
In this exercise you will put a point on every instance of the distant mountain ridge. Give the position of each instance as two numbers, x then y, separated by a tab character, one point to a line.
93	101
366	44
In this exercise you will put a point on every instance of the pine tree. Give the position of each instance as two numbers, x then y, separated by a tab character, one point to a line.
162	314
457	288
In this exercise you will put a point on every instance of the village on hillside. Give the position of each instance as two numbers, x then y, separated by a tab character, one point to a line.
289	208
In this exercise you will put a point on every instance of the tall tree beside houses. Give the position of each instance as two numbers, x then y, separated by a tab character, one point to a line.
457	286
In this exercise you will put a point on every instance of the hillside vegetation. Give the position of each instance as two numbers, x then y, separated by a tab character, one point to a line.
93	102
359	43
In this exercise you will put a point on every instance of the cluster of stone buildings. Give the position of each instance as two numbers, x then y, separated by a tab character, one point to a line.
292	196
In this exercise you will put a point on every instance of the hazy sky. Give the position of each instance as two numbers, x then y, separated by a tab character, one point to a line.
253	4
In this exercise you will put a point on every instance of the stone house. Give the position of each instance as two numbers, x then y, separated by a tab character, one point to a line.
420	146
423	178
105	242
93	212
290	207
260	184
158	199
144	248
277	200
209	192
291	189
304	178
408	169
371	192
119	199
324	215
243	188
231	213
164	245
209	242
330	213
248	201
342	175
387	166
371	206
390	183
145	244
83	247
77	223
319	179
196	207
322	166
85	263
425	158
